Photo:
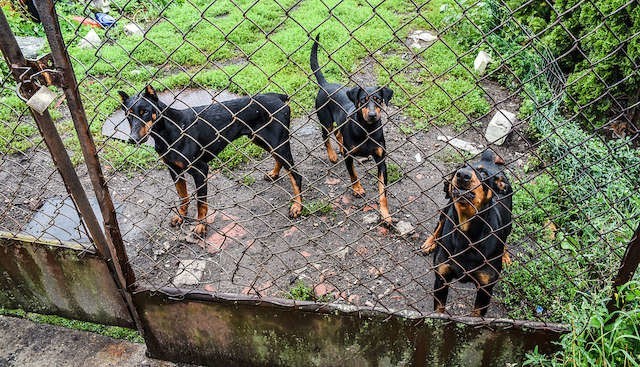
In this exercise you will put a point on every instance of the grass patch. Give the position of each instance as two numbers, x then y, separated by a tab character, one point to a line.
240	151
110	331
453	156
248	180
317	206
302	292
394	173
183	38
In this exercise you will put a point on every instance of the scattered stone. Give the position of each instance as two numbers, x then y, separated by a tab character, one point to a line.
30	46
354	299
322	289
361	250
419	176
368	208
189	272
332	181
102	6
368	304
342	253
480	63
499	127
290	231
370	218
133	30
383	231
91	40
305	253
461	144
421	39
210	288
404	228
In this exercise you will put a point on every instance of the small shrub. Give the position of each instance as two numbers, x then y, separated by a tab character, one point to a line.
320	206
301	292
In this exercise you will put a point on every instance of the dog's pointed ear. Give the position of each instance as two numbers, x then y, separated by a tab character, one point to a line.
500	185
123	96
498	160
387	93
150	93
354	95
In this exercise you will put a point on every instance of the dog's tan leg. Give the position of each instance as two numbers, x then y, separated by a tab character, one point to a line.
274	173
384	208
181	188
430	243
358	190
203	208
296	207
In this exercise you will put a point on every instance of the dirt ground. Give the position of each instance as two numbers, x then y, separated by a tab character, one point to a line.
252	246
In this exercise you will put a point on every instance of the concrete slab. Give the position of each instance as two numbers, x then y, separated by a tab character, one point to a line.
31	344
117	127
189	272
58	219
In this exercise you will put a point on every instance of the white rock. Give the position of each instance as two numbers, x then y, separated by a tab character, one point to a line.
91	40
499	127
101	6
189	272
30	46
133	29
461	144
480	63
404	228
418	157
370	218
420	39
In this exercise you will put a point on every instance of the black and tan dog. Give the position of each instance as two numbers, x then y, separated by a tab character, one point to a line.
470	237
357	113
187	140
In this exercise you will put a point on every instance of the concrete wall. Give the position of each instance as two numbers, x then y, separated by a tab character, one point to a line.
61	279
234	330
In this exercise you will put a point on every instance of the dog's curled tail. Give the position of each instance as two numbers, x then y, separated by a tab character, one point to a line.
315	67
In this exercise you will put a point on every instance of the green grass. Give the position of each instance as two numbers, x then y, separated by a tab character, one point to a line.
110	331
317	206
302	292
597	337
184	38
248	180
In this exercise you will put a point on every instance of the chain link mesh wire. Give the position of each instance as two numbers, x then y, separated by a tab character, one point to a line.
571	155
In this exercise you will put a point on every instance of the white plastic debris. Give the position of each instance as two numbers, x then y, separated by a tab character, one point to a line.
418	157
480	63
420	39
41	99
461	144
91	40
101	6
133	29
499	127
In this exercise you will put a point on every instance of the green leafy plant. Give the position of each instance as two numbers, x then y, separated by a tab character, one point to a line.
318	206
597	337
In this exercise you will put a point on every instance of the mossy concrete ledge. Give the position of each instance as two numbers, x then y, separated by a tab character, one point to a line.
56	278
237	330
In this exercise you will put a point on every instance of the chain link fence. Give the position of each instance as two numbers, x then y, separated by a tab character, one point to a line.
557	80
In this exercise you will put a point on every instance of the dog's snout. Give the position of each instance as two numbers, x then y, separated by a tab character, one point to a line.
131	141
372	113
463	175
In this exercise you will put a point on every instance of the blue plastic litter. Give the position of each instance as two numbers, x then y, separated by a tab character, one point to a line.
105	20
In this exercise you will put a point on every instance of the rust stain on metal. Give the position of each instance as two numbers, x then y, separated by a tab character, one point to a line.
234	330
55	279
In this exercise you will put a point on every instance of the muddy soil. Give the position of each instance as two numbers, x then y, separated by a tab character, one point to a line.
253	247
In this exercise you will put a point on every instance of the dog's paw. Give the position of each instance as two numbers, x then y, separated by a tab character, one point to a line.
271	176
176	220
428	246
440	309
387	221
200	229
358	191
295	210
333	157
506	259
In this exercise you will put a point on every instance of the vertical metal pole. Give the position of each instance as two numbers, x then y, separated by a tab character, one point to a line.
62	62
628	267
18	66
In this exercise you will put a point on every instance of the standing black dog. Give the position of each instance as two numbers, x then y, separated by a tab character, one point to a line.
187	140
357	114
470	238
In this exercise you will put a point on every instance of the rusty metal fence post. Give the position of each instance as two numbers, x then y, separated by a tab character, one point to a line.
23	71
